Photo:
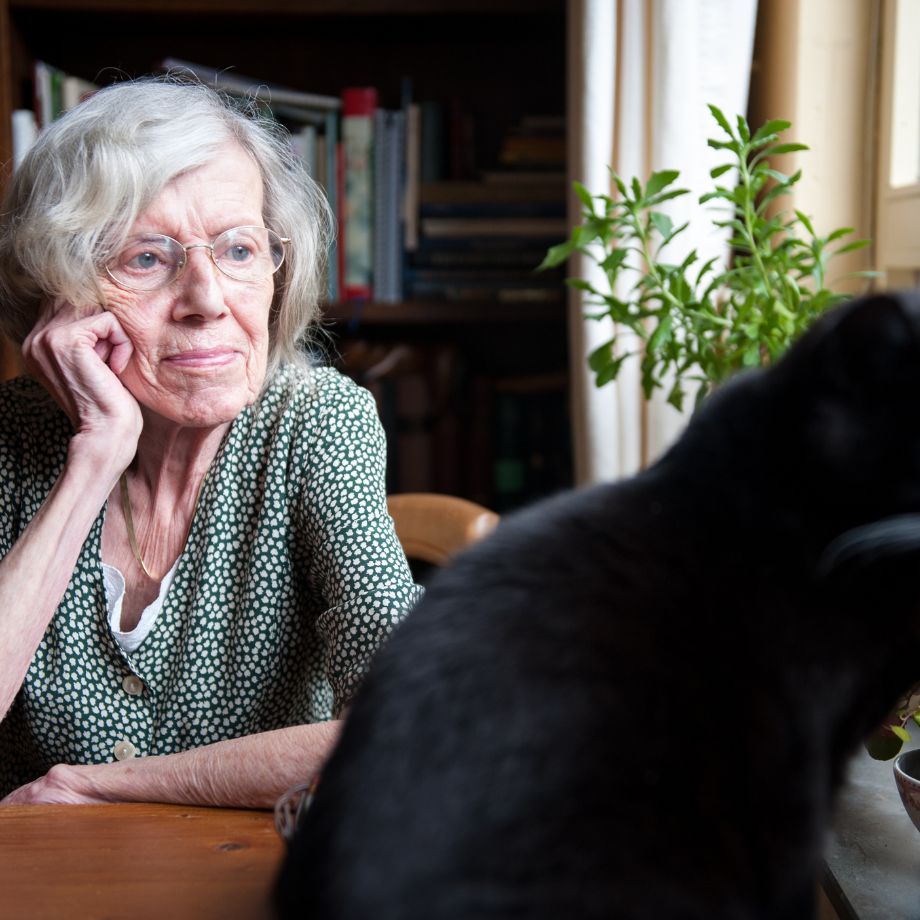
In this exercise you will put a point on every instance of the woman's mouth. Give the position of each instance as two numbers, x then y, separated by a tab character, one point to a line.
202	358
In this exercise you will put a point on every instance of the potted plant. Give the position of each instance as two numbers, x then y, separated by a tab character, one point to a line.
697	324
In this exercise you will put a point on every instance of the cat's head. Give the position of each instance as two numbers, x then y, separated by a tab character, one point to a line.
848	395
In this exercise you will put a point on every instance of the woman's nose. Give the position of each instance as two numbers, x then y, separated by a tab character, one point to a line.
200	290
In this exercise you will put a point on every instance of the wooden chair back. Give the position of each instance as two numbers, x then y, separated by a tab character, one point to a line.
432	527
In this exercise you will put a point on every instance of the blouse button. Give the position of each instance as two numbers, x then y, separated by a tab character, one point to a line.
124	750
133	685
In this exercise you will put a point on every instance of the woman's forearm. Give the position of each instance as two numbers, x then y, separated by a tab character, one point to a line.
248	772
35	573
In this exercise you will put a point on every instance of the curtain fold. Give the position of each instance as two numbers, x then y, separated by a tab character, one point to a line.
640	75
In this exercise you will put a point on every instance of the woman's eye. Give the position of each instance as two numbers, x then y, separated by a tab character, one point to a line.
144	261
240	252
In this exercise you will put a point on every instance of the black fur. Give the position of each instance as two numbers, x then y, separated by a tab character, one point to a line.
636	700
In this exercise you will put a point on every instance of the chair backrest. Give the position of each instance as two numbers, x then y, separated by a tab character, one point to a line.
432	527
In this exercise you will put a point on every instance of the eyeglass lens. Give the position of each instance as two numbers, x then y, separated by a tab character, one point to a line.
153	261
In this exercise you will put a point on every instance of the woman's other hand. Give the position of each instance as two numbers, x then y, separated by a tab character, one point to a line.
79	360
247	772
61	785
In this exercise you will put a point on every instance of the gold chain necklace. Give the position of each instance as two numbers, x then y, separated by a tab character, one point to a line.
129	522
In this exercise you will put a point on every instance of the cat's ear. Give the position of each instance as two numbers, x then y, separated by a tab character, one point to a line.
869	346
881	548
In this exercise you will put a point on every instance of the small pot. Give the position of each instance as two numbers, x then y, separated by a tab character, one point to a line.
907	778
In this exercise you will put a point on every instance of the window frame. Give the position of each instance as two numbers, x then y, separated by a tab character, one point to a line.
897	230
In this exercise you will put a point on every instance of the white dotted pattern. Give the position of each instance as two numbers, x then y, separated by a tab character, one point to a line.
291	578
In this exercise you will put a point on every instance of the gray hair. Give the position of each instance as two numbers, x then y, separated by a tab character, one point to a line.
73	199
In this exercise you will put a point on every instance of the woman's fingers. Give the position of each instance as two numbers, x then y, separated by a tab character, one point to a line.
61	785
121	349
79	360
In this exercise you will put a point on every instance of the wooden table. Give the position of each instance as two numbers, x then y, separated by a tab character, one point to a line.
107	862
872	858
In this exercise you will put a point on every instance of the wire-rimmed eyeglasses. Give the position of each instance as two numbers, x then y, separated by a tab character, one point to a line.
151	261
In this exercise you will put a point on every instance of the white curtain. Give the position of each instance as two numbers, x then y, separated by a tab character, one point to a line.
640	75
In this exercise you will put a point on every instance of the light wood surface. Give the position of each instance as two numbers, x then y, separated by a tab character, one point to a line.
89	862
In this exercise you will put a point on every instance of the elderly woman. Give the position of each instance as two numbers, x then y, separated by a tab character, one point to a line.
197	559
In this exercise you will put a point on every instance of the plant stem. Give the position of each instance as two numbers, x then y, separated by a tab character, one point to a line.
748	223
650	264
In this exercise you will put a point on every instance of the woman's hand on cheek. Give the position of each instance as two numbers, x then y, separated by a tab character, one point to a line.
79	360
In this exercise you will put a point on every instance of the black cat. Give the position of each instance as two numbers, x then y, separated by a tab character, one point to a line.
636	700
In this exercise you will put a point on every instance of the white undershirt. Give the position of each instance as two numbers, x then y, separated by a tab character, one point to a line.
114	597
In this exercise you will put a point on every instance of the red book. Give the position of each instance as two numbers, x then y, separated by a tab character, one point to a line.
358	105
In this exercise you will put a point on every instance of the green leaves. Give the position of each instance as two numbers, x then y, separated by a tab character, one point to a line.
699	325
662	224
556	255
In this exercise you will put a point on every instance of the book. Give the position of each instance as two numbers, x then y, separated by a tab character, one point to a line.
534	142
74	90
461	141
531	177
389	159
503	293
533	151
25	130
411	193
383	204
357	207
304	145
238	85
321	164
332	185
481	244
337	256
478	259
539	123
462	194
46	86
56	92
495	208
482	227
432	142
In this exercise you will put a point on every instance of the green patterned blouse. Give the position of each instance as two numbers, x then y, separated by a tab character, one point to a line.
290	579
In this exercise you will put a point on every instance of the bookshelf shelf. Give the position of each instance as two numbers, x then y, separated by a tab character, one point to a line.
435	313
490	64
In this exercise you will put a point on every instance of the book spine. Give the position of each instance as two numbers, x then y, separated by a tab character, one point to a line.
534	227
432	142
250	88
57	92
41	76
381	205
339	261
397	180
308	143
412	178
74	90
358	106
334	197
25	130
388	180
321	178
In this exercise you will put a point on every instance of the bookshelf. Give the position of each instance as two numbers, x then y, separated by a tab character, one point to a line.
491	63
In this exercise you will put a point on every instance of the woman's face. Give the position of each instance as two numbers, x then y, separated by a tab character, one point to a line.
201	343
